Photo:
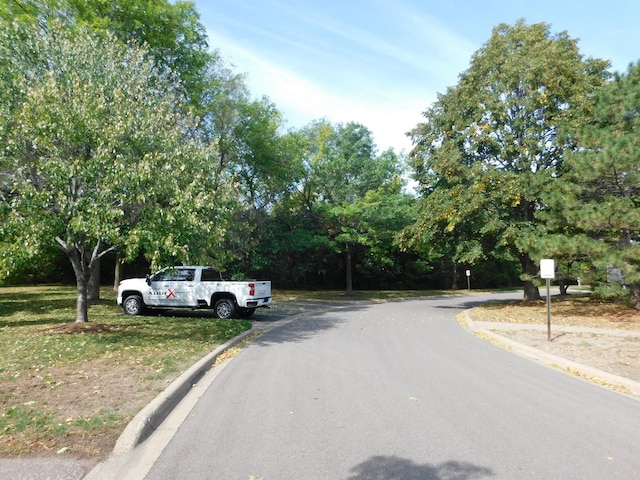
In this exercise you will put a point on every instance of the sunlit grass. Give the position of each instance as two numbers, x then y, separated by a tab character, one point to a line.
55	380
572	310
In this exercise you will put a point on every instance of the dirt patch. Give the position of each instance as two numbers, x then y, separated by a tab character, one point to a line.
610	343
614	354
573	310
91	402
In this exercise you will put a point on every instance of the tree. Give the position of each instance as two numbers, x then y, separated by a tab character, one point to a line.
171	32
251	152
593	209
266	165
354	195
490	144
96	155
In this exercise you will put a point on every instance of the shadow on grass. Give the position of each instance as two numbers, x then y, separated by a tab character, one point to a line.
34	310
36	305
577	304
147	330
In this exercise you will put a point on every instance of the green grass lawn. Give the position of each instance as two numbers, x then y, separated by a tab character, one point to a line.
60	386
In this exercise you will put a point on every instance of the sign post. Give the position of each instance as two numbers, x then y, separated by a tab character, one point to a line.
548	271
468	273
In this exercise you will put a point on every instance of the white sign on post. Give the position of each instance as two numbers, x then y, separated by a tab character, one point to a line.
547	268
548	271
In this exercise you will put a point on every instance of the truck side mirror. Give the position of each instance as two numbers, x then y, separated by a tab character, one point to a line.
148	279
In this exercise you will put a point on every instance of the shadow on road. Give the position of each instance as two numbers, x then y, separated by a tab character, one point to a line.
395	468
462	305
308	322
470	303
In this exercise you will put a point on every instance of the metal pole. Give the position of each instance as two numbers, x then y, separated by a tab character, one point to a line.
548	311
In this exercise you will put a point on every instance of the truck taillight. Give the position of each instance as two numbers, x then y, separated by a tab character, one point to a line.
252	289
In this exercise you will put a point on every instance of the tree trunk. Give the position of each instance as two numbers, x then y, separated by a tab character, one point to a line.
93	288
117	274
564	287
83	273
349	274
83	264
82	307
531	291
454	280
635	295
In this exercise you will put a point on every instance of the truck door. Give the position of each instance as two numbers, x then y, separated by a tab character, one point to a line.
173	287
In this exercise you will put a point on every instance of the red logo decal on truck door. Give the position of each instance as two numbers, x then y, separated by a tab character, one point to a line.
171	293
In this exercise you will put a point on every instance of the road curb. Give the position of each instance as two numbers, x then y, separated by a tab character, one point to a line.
549	359
154	413
150	418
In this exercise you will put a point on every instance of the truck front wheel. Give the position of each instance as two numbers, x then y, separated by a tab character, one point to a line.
225	308
133	305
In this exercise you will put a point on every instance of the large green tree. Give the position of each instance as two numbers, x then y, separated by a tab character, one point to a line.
171	32
490	143
252	153
95	155
354	194
593	213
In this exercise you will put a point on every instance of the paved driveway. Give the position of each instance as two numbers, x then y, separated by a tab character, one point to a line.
398	391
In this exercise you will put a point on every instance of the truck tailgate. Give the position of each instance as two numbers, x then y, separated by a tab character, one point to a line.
262	289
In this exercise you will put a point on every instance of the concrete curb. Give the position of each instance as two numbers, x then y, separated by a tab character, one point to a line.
551	360
150	417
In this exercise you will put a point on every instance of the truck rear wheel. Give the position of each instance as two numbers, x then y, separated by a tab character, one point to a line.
225	308
133	305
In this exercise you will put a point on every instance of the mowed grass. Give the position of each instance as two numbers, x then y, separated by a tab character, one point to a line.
69	389
575	310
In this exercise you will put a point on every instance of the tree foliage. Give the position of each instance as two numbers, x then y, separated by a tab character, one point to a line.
490	143
593	214
354	194
171	32
96	156
121	130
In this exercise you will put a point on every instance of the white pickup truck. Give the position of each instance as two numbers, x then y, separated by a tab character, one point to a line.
193	287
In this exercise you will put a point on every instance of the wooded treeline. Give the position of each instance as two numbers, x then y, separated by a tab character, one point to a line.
126	137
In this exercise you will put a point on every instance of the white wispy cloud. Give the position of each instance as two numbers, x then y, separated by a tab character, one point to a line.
389	114
381	71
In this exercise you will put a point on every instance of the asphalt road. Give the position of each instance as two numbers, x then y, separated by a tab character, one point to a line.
397	391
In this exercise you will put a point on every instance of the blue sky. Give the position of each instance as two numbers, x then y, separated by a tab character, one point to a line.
382	62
